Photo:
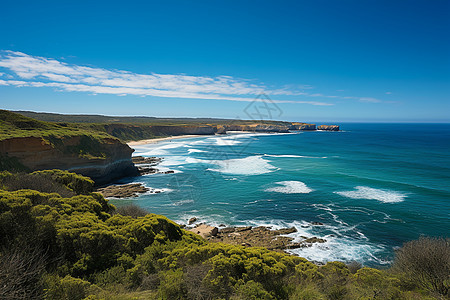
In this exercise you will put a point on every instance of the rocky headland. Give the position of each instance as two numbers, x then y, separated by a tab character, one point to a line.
108	160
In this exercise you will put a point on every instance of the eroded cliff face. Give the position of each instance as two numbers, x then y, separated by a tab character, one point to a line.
140	132
109	159
302	126
221	129
328	127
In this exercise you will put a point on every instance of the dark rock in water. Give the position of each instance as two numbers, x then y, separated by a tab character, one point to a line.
294	246
222	225
146	160
146	170
317	223
314	240
192	220
286	230
123	191
169	172
328	127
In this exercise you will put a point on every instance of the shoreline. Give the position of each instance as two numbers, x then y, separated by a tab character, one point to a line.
164	139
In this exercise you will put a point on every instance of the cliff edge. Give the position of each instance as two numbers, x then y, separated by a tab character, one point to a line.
38	145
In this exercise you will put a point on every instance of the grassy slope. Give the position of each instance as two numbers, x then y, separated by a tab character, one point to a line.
51	117
131	128
16	125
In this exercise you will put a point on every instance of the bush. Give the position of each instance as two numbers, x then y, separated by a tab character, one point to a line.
79	184
426	262
68	288
172	285
132	210
21	269
252	291
11	164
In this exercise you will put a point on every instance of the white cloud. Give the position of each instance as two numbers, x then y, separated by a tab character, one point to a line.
35	71
369	99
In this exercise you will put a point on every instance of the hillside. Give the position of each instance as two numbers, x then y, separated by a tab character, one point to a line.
61	241
139	128
53	117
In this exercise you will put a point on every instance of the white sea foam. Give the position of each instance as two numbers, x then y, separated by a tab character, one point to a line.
336	248
157	149
192	160
195	151
364	192
292	156
290	187
182	202
252	165
225	141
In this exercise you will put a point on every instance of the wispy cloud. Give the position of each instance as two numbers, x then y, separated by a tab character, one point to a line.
35	71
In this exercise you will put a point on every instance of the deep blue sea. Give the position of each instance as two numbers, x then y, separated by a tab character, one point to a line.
373	186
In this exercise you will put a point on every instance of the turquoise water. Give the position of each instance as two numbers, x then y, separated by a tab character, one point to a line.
373	186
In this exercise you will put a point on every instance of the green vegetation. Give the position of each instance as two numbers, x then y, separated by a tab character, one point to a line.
16	125
84	141
73	244
100	119
54	127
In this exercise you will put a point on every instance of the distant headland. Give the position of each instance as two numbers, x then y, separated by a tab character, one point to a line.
95	145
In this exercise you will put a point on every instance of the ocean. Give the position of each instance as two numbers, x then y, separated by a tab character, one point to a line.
372	186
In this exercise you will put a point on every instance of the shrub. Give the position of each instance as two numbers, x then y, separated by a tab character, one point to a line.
252	291
131	210
426	262
172	285
35	182
21	269
11	164
68	288
75	182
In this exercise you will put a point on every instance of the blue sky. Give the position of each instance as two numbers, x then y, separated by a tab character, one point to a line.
375	61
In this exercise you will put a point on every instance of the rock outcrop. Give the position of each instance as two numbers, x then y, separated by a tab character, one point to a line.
302	126
259	237
222	129
123	191
328	127
109	159
205	231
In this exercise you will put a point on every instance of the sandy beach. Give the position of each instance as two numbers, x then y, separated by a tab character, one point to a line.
164	139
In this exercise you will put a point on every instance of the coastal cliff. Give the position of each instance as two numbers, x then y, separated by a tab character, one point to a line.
110	160
96	150
222	129
28	144
328	127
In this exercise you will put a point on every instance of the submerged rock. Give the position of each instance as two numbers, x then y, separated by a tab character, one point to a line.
317	223
123	190
146	160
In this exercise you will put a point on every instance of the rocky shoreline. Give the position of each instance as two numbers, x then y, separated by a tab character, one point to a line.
145	166
261	236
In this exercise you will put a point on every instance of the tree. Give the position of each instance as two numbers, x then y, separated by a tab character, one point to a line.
426	262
